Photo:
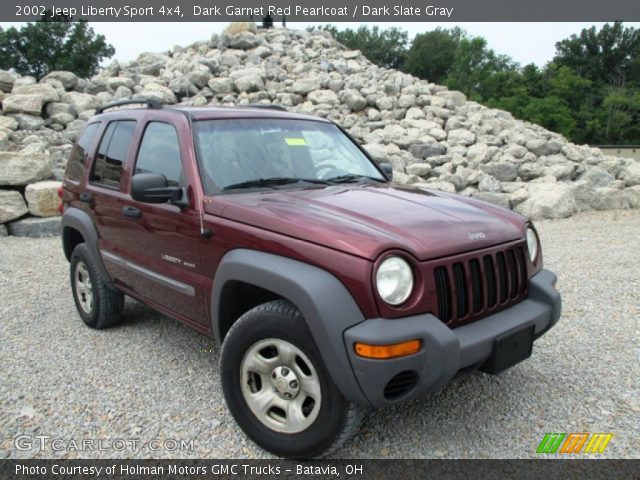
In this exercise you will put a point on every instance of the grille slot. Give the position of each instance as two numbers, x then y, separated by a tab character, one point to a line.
469	289
513	274
502	277
476	285
522	265
461	290
444	293
490	274
400	384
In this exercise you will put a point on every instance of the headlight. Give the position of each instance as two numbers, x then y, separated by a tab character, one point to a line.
532	244
394	280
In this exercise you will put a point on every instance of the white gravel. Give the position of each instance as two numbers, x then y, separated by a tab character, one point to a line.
153	378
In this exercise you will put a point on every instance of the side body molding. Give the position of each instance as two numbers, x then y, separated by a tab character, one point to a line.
327	306
78	220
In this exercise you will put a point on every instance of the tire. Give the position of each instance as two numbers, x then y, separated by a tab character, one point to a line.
257	347
99	305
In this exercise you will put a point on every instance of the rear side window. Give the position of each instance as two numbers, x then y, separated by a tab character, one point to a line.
160	153
112	153
75	165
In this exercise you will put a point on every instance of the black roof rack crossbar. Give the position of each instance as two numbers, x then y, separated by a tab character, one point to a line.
149	102
267	106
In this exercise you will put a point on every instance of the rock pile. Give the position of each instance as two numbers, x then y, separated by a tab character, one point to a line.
433	137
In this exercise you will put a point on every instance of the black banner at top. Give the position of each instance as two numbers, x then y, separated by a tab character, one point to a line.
325	10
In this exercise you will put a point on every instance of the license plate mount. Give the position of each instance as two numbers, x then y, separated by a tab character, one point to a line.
510	348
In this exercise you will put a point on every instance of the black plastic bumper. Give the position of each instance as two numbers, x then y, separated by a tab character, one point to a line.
445	351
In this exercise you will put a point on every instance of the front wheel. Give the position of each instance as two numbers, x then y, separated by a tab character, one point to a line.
277	387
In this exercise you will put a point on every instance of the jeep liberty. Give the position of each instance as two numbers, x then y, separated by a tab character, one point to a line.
330	288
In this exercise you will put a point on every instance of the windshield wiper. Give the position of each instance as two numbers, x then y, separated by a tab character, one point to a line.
351	177
272	182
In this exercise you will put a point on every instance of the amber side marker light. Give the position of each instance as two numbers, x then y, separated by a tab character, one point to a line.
387	351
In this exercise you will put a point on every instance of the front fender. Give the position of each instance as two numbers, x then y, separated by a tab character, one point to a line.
327	306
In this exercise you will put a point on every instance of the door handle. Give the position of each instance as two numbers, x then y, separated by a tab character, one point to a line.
86	197
131	212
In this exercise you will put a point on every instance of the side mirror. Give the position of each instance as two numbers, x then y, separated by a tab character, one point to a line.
387	169
153	188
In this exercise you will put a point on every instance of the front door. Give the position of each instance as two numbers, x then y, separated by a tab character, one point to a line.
160	246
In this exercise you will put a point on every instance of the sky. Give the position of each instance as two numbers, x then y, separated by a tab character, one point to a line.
532	42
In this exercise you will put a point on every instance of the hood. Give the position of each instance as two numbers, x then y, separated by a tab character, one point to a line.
366	220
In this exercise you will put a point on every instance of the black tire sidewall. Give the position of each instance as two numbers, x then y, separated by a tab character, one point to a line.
273	324
80	254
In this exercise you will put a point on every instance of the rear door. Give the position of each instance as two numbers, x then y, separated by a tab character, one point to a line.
104	194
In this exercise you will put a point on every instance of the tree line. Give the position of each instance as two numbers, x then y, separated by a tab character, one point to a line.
589	91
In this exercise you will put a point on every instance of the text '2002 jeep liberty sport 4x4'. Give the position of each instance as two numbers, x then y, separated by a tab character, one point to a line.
330	288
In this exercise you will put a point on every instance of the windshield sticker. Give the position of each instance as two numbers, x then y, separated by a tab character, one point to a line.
295	142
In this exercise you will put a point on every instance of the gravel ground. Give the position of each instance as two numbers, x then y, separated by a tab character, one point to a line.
153	378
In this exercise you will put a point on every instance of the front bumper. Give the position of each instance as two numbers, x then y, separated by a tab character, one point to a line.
445	352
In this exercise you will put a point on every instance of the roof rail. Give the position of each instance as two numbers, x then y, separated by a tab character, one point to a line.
266	106
150	103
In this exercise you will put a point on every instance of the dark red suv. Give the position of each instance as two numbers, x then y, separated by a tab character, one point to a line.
330	288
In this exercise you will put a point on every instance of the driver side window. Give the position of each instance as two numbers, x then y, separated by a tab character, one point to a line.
160	153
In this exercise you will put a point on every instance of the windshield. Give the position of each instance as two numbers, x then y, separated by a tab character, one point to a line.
275	153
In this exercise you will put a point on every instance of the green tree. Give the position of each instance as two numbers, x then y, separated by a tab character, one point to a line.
609	56
477	70
552	113
53	43
387	48
432	53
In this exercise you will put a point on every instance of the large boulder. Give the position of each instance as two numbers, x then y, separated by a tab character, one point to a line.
18	168
354	100
247	80
324	97
7	79
426	150
548	200
151	63
23	103
35	227
12	205
460	136
115	82
597	177
244	41
28	122
44	90
304	86
502	171
42	198
221	85
60	113
154	91
68	80
631	175
81	101
8	123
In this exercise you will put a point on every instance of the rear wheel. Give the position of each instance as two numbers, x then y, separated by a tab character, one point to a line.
99	305
277	386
